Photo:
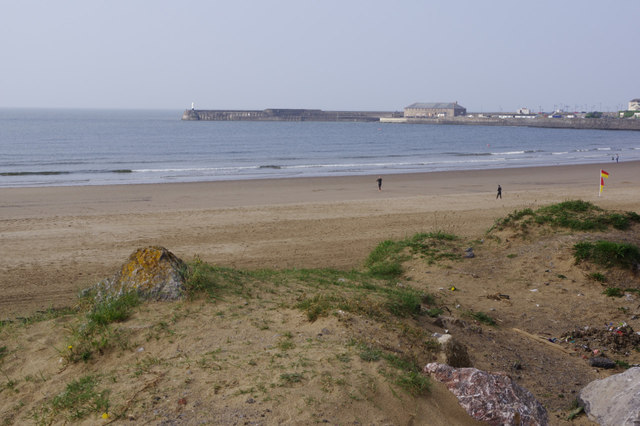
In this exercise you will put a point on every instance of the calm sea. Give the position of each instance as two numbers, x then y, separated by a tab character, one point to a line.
80	147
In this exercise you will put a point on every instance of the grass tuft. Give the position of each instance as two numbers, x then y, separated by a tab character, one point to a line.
79	399
607	253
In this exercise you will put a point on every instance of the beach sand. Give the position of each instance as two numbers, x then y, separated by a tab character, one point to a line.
58	240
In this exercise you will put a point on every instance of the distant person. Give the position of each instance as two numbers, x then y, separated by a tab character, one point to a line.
617	158
379	180
499	194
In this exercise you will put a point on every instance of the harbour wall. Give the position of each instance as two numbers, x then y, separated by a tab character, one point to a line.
553	123
272	114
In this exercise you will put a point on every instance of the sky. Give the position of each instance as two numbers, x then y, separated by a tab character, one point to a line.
497	55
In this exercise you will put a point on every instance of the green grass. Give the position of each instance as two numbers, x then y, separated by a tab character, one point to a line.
619	292
215	281
289	378
599	277
481	317
613	292
607	253
115	309
576	215
385	261
95	334
434	312
370	354
39	316
79	399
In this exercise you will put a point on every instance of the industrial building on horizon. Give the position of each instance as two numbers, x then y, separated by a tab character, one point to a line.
434	110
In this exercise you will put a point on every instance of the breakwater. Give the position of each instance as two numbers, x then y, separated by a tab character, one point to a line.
273	114
552	123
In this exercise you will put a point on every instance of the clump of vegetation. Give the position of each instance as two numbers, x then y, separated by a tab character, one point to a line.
607	253
619	292
385	261
613	292
404	372
434	312
481	317
95	334
214	280
79	399
576	215
598	276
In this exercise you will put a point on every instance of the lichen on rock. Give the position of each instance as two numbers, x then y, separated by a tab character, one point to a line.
153	272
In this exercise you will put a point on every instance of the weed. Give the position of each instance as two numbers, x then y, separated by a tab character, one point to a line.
289	378
434	312
623	364
344	357
79	399
214	280
613	292
414	382
481	317
370	354
597	276
286	342
115	309
404	303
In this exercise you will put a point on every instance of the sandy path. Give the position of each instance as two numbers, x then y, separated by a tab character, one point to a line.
55	241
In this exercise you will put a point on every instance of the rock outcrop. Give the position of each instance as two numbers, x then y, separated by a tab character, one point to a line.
614	400
492	398
153	272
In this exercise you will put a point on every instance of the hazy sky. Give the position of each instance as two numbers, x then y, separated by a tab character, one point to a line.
495	55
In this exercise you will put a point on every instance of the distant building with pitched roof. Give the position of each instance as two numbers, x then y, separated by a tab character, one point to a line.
434	110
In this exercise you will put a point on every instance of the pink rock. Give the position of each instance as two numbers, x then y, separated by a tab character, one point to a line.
492	398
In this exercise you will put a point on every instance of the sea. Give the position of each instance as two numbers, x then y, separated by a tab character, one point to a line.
63	147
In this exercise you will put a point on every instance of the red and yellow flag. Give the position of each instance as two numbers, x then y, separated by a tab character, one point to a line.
603	176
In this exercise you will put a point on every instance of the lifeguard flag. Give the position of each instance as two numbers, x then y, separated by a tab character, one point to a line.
603	176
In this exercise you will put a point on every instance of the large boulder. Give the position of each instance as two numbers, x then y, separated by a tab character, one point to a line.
153	272
614	400
492	398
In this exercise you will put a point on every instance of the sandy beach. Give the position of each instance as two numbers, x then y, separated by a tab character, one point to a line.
58	240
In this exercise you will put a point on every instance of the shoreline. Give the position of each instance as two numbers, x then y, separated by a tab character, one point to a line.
63	239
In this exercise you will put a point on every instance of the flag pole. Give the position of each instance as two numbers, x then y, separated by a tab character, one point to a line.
600	192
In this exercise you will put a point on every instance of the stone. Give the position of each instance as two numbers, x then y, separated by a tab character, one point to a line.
153	272
601	362
492	398
453	352
614	400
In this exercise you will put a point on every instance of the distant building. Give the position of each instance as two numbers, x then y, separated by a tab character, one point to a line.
434	110
634	105
525	111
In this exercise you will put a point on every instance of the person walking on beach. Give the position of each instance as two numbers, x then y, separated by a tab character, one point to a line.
499	194
617	158
379	180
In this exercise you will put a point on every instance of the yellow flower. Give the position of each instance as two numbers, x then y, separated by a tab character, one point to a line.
69	347
453	289
105	415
